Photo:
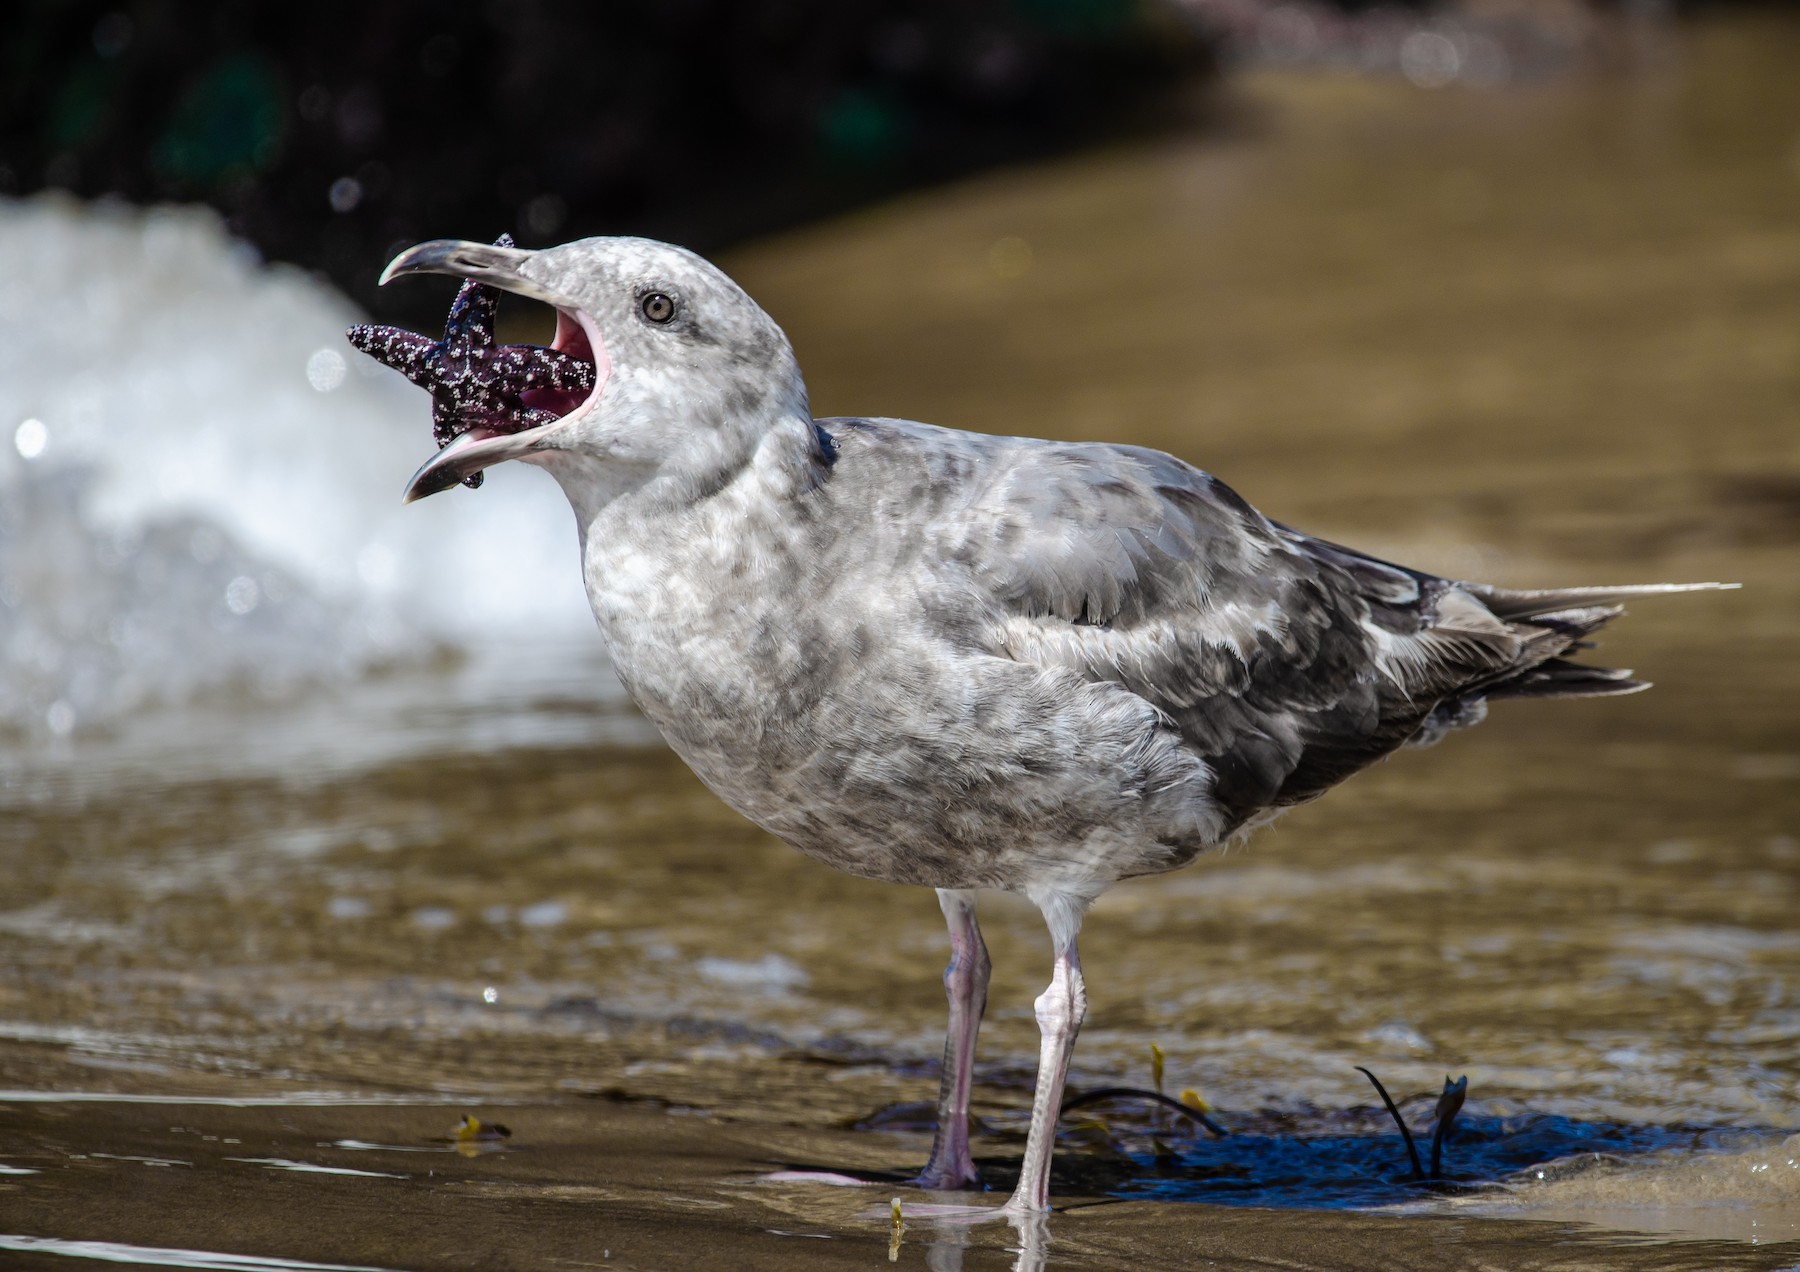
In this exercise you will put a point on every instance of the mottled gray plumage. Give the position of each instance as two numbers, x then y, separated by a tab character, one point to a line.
1084	662
962	661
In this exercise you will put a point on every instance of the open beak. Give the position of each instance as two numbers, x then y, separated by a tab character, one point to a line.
576	335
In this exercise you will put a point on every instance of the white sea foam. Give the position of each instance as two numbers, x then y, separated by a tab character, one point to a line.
199	483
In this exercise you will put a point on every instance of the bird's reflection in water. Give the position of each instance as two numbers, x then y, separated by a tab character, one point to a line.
945	1230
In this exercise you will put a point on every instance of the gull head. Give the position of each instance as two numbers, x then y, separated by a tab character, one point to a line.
689	372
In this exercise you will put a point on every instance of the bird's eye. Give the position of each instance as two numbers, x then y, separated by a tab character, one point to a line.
657	307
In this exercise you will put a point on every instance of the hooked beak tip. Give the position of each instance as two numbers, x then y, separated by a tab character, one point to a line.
433	477
492	263
466	455
439	256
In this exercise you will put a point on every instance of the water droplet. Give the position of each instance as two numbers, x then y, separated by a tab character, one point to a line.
325	369
61	718
490	995
31	437
1429	59
544	914
433	918
346	193
347	908
544	215
242	594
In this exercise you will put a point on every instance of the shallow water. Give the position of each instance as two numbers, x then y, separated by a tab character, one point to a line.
1541	336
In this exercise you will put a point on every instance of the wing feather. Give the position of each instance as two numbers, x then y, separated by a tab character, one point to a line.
1288	663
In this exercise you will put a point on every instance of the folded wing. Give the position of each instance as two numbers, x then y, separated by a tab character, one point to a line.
1287	662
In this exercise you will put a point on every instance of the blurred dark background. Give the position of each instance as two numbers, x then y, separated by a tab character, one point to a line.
330	134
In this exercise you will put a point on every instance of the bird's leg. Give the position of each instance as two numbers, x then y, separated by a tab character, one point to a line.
965	985
1060	1010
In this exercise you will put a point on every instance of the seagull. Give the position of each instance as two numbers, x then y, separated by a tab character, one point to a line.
970	662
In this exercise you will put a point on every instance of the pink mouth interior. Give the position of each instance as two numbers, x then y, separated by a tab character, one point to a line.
572	339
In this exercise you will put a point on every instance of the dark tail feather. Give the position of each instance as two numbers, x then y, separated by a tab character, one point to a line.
1544	671
1551	623
1560	678
1556	629
1553	678
1562	618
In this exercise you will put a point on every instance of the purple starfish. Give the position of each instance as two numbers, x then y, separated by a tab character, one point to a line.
472	381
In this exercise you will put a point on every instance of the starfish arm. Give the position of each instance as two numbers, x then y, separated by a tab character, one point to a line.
412	355
469	333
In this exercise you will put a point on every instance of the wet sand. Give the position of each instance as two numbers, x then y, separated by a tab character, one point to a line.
1544	336
599	1184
